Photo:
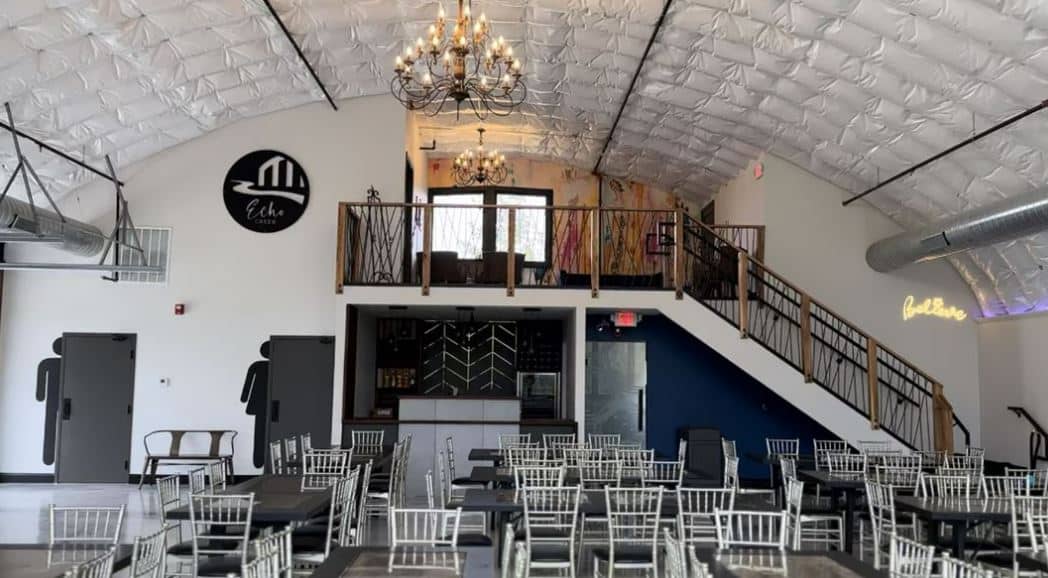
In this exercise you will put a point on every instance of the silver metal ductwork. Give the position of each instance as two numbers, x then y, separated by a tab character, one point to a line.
997	222
17	224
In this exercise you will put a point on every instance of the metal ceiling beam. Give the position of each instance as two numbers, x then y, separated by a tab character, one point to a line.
23	238
301	56
55	151
633	83
89	267
962	144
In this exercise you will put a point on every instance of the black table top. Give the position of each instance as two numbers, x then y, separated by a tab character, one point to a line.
591	502
41	561
370	562
485	455
278	498
746	563
957	509
834	481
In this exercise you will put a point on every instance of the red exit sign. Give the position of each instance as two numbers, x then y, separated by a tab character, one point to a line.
625	318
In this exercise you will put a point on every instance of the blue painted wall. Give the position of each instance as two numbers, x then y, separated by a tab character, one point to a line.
691	385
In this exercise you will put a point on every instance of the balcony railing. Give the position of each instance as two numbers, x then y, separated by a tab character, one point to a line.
428	245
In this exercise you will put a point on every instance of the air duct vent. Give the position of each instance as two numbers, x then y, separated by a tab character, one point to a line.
156	252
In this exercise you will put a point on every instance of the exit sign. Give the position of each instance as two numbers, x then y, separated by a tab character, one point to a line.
625	318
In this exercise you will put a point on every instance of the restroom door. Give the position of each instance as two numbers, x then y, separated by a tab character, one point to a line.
97	397
301	384
616	376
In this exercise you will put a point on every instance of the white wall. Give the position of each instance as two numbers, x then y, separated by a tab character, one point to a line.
741	200
819	245
1012	367
239	287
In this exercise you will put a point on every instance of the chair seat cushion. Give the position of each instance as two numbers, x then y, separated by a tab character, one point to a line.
219	566
542	533
551	553
625	555
183	549
466	540
466	481
1004	560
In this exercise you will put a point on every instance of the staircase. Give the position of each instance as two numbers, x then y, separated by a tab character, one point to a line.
895	396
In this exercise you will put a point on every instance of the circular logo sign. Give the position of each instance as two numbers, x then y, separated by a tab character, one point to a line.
266	191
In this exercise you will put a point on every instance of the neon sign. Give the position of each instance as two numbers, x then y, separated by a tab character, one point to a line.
932	307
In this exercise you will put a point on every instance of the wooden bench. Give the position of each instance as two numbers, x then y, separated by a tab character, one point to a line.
187	447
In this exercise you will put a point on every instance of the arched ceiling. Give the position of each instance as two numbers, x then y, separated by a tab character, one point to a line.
852	90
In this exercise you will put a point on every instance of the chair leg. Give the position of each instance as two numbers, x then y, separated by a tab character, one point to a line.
145	468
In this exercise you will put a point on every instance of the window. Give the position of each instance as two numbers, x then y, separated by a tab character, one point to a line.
471	232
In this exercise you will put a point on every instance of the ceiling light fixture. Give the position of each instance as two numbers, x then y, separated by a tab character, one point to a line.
480	166
468	67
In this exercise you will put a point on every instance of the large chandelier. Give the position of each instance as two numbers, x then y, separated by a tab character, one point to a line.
468	67
480	167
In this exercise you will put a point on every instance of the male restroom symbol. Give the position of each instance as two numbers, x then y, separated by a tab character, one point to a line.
49	390
254	394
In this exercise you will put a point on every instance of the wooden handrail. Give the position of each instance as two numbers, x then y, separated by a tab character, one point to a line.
340	249
427	247
526	207
511	253
594	252
871	383
807	350
744	294
678	252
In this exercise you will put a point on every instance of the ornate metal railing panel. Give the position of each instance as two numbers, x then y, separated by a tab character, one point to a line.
839	358
711	271
636	248
373	245
774	313
905	400
749	238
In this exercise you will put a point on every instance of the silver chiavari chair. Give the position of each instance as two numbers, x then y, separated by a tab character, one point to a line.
321	468
1003	487
874	446
508	542
846	464
751	529
473	526
573	456
824	447
197	481
550	521
728	449
100	567
695	513
538	477
633	526
954	568
508	440
778	448
634	461
306	441
276	457
340	531
84	525
698	569
824	529
1036	479
424	539
149	555
663	473
551	441
267	566
517	455
291	454
276	547
216	476
603	441
675	565
368	442
884	520
169	497
943	486
221	528
731	480
909	559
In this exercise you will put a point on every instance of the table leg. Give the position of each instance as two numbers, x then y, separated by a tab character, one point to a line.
849	519
959	531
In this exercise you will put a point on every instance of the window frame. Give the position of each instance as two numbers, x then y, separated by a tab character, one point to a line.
490	196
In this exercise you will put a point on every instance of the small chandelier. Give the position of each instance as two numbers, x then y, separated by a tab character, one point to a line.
469	66
482	167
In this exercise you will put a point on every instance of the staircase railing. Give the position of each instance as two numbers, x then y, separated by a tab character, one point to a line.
1038	437
826	348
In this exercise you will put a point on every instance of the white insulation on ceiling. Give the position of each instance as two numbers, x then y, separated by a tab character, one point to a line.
853	90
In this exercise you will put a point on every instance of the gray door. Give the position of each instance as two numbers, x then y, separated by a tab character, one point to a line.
301	384
616	374
94	425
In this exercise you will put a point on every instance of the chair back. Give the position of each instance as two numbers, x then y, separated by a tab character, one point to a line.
634	460
322	468
368	441
662	473
449	446
551	441
910	559
903	473
1036	480
945	486
216	476
698	569
267	566
100	567
276	547
682	450
550	518
602	441
221	525
423	538
695	513
675	566
507	440
748	529
731	473
1003	486
633	518
538	477
824	447
169	495
276	458
788	469
954	568
782	447
875	446
85	525
307	442
506	560
728	449
794	511
518	455
846	464
597	474
291	453
197	481
149	555
573	456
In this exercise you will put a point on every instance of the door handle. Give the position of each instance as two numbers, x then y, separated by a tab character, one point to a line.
640	409
67	408
274	411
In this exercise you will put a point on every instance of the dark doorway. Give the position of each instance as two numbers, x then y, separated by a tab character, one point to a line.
97	397
708	216
301	382
409	214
